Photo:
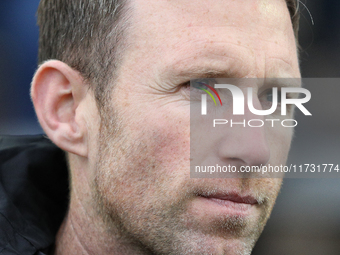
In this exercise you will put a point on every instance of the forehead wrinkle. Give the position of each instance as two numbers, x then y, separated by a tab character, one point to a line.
281	69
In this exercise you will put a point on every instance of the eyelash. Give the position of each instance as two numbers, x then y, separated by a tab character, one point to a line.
188	85
185	85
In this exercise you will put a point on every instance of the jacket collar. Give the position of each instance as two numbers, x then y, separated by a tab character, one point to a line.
33	193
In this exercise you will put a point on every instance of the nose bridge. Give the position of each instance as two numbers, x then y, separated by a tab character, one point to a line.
254	135
246	139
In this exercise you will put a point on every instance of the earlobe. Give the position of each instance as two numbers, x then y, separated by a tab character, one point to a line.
57	91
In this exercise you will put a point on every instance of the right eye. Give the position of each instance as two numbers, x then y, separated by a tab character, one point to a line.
185	89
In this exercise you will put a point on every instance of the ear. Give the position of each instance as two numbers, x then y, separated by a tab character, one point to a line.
57	90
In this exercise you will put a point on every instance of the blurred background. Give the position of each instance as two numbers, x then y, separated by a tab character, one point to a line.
306	218
18	61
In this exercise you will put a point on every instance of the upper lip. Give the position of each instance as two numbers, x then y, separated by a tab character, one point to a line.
234	197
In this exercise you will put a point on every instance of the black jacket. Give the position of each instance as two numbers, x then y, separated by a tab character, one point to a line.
33	194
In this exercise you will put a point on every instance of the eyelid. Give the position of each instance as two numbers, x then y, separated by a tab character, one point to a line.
264	92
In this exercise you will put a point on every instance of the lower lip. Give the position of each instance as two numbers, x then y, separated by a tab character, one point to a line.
221	206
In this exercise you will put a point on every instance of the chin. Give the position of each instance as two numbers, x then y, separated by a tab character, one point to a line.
208	245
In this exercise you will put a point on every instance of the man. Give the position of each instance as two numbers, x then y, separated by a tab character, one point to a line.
110	92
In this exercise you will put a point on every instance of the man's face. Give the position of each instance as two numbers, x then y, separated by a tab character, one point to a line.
142	170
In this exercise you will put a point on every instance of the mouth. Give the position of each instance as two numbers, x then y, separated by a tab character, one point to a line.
233	204
233	197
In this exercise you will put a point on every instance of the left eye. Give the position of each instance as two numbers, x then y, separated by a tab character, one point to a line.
269	96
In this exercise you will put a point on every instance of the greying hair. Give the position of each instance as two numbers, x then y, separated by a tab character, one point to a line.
89	36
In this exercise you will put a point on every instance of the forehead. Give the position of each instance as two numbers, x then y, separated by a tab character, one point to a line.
174	28
218	12
171	15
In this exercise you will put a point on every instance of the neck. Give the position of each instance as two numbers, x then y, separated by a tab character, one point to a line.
84	231
81	232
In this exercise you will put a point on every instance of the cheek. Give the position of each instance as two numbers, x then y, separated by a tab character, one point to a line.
279	141
153	163
168	138
152	152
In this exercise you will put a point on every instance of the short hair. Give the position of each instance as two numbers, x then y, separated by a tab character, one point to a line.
293	7
89	36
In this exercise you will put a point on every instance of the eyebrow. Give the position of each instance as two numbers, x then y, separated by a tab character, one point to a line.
227	67
220	67
201	72
283	79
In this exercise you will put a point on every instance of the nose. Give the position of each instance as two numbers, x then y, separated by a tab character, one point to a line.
244	142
